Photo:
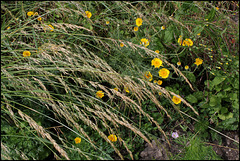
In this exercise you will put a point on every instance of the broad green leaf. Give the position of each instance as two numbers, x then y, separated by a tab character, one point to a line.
225	116
224	110
191	77
217	80
168	36
235	104
214	101
190	98
227	89
198	95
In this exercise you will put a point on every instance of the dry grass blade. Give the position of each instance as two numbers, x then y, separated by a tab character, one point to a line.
43	133
88	122
185	102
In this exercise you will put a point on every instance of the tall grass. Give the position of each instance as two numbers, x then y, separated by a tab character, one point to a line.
50	97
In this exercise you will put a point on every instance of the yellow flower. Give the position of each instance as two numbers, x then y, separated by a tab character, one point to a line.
160	93
227	63
180	40
135	28
159	82
163	27
148	75
145	42
8	27
26	53
139	22
126	89
155	81
186	67
199	34
157	51
39	18
88	14
156	62
176	100
112	138
121	44
77	140
99	94
218	67
179	63
51	27
187	42
217	8
107	22
116	89
198	61
30	13
164	73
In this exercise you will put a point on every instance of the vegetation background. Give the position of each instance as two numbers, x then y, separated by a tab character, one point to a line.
55	57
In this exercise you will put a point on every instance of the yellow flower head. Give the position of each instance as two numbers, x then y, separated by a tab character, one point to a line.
135	28
198	61
112	138
199	34
121	44
187	42
186	67
155	81
217	8
39	18
180	42
148	75
179	63
139	22
107	22
159	82
88	14
156	62
26	53
176	100
126	89
145	42
77	140
30	13
99	94
51	27
164	73
8	27
163	27
159	93
116	89
157	51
